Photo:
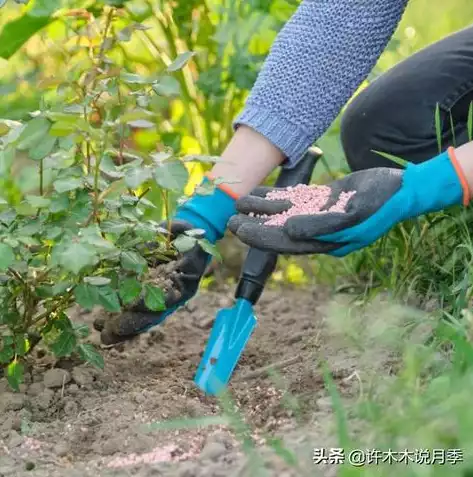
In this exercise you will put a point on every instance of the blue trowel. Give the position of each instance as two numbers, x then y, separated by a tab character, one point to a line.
233	326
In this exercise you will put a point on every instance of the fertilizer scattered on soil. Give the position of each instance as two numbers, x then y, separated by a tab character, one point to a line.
149	380
306	200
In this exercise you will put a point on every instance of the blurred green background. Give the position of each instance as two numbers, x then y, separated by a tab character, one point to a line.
46	42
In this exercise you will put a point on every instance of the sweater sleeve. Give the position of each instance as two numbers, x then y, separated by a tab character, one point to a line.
316	63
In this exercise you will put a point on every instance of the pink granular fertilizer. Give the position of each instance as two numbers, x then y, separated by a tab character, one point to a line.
306	200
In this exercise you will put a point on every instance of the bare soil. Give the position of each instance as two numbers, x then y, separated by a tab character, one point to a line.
72	420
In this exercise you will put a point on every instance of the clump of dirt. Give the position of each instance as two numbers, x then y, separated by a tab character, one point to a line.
72	420
164	276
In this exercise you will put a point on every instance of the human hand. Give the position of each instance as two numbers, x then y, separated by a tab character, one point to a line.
182	282
383	197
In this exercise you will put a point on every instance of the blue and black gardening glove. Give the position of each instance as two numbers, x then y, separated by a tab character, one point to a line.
383	198
209	213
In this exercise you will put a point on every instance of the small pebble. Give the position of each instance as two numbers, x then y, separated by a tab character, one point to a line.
15	439
56	378
44	399
12	402
73	389
35	389
82	376
213	451
61	449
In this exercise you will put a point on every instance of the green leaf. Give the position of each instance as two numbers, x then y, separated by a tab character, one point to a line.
132	78
90	355
180	61
38	201
154	298
15	374
86	296
133	261
171	175
43	8
28	241
76	256
62	129
109	168
65	343
2	3
91	237
34	132
53	232
59	203
97	281
167	86
108	298
114	227
136	177
7	157
17	32
67	184
129	290
184	243
81	330
210	248
22	345
43	149
7	256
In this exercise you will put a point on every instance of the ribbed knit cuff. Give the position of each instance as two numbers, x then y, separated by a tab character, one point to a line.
285	135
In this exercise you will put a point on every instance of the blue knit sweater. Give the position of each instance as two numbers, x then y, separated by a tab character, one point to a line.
317	62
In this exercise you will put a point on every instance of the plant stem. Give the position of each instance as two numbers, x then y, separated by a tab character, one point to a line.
41	172
108	23
65	301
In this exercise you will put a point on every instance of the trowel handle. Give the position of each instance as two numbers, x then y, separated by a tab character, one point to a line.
259	264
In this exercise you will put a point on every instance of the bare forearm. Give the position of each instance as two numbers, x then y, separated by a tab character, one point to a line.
247	160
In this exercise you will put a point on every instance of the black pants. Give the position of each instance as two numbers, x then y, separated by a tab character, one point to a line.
396	113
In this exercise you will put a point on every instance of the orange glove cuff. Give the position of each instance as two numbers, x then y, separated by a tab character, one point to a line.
461	175
223	187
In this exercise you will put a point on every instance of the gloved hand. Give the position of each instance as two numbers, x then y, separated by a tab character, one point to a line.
210	213
383	198
185	280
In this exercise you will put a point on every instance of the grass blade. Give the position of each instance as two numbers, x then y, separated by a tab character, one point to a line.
397	160
452	127
438	127
470	122
342	424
